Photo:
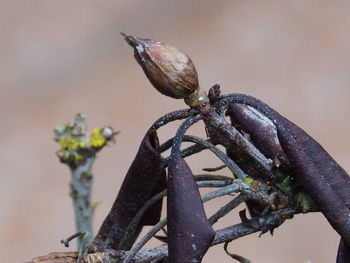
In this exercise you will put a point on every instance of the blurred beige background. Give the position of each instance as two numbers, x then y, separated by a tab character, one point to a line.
58	58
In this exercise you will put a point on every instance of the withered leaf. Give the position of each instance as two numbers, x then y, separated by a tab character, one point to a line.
145	178
189	232
263	134
343	252
261	130
324	180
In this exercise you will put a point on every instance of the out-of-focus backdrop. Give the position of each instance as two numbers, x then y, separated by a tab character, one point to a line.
58	58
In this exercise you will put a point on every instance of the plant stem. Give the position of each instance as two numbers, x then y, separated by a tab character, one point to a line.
81	195
232	188
133	226
227	208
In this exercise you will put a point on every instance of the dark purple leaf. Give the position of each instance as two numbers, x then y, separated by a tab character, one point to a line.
189	232
323	179
263	134
261	130
152	216
343	252
145	178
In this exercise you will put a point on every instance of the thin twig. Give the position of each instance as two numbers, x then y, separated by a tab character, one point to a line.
227	208
235	256
234	168
136	220
193	149
215	168
66	241
204	177
166	145
236	231
180	134
221	236
172	116
232	188
145	239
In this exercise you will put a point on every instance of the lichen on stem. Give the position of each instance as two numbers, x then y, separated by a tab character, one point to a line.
78	149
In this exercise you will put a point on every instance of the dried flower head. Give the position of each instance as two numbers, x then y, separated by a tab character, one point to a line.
170	70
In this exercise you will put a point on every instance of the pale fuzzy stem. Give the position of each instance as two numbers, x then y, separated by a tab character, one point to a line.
81	195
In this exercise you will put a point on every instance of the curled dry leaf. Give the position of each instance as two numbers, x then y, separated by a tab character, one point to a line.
261	130
323	179
189	232
145	177
263	133
343	252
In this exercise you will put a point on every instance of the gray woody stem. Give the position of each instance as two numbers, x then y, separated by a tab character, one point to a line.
153	254
231	188
136	220
81	195
227	208
230	138
78	149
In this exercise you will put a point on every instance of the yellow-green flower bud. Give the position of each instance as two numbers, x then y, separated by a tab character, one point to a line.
169	70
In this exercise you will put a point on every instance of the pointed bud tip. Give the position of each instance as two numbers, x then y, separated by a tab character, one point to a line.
129	39
170	70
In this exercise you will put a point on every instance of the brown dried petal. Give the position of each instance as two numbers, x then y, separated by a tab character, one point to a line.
189	232
169	70
144	177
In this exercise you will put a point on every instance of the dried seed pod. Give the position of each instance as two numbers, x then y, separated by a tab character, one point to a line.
169	70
